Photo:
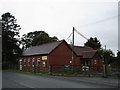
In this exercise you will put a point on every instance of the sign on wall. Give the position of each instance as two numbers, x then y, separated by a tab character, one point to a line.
44	57
67	66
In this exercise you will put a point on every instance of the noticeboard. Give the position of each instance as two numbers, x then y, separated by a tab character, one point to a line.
44	57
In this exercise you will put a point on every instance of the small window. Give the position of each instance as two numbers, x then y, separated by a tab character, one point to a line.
20	61
28	61
38	61
85	62
33	61
44	63
24	61
95	61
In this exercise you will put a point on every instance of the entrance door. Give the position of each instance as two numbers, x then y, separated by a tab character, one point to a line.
85	65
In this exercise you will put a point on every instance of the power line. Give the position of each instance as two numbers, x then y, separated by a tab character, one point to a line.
85	37
81	35
69	36
91	24
103	20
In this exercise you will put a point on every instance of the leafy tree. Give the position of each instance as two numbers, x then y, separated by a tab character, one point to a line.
43	38
93	43
28	38
107	55
10	38
36	38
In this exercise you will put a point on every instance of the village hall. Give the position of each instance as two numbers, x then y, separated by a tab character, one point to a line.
56	56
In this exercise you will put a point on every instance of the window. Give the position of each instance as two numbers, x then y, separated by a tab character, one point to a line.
95	61
85	62
20	61
44	63
38	61
33	61
28	61
24	61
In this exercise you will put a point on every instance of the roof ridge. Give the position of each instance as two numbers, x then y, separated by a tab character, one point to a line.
90	51
75	45
82	46
47	43
42	49
78	46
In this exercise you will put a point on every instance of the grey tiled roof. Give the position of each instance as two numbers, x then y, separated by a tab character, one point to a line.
41	49
84	51
89	54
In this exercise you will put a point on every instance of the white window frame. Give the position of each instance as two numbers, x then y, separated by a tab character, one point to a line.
33	60
38	60
95	61
44	63
28	61
24	62
20	61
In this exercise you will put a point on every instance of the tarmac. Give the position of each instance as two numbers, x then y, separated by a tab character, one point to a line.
112	82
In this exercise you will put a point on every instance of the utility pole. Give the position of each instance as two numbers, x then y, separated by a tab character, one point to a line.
105	65
73	50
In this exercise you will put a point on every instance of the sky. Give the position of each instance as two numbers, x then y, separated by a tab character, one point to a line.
92	18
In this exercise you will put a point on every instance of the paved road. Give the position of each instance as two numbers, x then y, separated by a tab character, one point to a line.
18	80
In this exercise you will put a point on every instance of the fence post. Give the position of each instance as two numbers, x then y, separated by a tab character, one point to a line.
38	68
105	71
34	68
50	68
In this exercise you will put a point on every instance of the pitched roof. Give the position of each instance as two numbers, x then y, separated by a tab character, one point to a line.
84	51
89	54
47	48
41	49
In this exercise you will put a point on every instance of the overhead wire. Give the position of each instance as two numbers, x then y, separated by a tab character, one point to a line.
91	24
69	36
81	35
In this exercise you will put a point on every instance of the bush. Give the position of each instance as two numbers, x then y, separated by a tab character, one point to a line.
7	65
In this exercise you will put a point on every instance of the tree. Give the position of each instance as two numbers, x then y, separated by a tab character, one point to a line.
36	38
10	38
43	38
93	43
107	55
28	38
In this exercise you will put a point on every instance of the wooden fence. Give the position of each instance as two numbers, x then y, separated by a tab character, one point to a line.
92	70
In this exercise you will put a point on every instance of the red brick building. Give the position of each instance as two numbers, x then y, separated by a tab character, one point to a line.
91	59
58	55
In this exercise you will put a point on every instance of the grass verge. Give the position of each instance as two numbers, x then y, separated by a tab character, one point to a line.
61	74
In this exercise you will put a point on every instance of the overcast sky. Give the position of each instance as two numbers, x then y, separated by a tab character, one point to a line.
92	18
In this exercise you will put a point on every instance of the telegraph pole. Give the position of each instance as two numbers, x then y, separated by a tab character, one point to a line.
105	65
73	50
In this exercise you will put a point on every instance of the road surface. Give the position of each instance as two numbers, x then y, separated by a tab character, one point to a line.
19	80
